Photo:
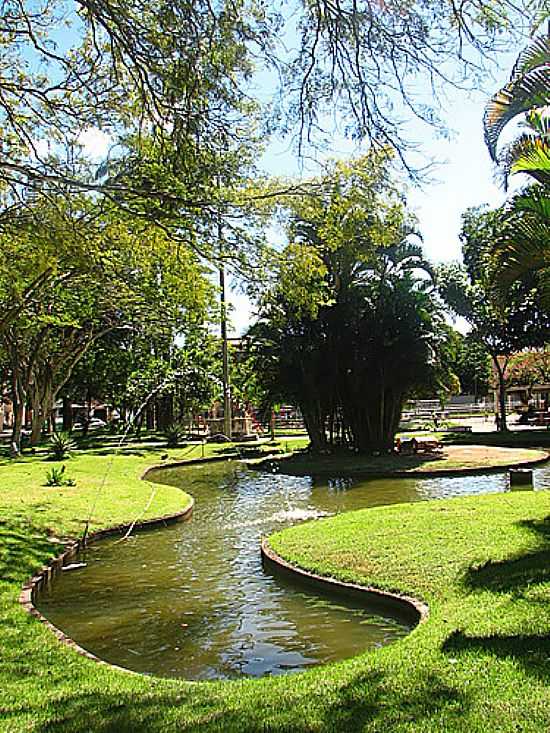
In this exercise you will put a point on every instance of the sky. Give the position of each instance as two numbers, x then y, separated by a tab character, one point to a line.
464	175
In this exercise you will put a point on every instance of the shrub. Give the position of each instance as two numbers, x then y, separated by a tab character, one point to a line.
56	477
61	445
174	435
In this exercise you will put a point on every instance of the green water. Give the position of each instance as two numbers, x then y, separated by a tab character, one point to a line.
192	600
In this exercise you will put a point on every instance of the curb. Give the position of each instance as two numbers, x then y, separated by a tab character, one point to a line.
403	608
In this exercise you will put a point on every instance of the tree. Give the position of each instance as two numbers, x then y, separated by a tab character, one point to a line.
183	73
472	365
502	328
528	369
522	245
112	275
527	94
350	328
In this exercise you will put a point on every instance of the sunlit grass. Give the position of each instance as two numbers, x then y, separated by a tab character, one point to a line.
481	661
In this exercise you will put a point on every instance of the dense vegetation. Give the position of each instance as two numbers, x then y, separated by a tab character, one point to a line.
351	329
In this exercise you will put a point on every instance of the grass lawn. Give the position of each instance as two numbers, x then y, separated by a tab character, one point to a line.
480	662
451	458
512	438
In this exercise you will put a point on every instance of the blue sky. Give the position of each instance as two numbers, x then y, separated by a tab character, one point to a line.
464	175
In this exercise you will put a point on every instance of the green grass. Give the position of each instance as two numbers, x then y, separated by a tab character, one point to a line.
512	438
482	660
479	663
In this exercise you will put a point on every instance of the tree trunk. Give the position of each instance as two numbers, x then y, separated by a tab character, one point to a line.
67	414
500	369
315	429
37	424
18	416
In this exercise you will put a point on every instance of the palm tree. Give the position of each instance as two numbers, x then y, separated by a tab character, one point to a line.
527	93
522	247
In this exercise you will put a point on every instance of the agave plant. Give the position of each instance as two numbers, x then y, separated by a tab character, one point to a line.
56	477
61	445
174	435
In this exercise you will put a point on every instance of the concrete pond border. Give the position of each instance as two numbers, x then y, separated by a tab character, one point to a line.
400	607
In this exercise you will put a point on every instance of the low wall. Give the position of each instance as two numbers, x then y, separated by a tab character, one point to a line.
403	608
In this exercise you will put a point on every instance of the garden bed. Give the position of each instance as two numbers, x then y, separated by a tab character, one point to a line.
452	459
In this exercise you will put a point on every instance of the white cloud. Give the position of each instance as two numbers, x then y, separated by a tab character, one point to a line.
95	142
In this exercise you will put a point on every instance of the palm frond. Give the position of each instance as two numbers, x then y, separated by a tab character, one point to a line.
536	54
523	245
527	154
526	92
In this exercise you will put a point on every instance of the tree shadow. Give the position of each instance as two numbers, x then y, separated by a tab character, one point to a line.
516	573
23	550
531	651
367	698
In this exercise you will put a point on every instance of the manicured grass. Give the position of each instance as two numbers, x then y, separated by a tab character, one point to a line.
482	660
452	458
512	438
448	675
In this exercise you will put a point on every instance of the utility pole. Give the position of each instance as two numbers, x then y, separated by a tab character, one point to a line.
227	417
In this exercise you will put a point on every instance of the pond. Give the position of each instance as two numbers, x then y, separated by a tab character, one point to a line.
193	601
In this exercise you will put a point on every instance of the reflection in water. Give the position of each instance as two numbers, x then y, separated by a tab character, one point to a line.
193	600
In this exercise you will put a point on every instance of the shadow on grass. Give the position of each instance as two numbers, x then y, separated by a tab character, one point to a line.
22	550
514	575
518	572
367	699
346	463
531	651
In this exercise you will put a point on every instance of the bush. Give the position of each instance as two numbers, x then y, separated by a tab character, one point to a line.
56	477
174	435
61	445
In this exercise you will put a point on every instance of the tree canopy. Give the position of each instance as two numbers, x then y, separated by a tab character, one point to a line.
350	328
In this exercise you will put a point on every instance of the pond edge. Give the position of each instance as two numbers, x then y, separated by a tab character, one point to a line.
46	573
401	607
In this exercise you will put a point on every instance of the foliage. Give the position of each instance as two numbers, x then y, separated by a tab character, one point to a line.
60	446
350	330
136	72
526	92
174	435
522	246
501	327
521	250
529	368
111	281
472	365
56	477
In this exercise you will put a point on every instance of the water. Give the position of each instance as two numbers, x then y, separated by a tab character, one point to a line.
193	601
